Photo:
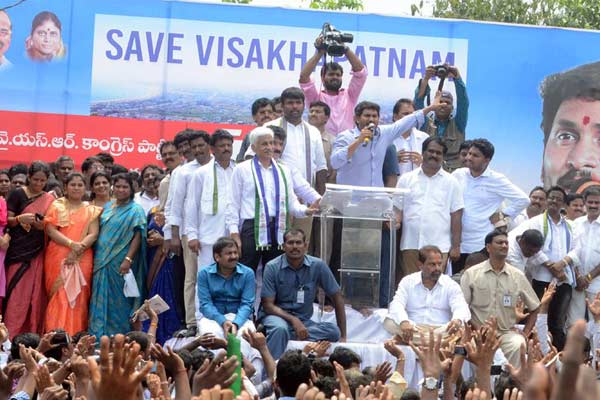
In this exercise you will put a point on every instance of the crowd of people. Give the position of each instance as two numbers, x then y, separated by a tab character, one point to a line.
119	285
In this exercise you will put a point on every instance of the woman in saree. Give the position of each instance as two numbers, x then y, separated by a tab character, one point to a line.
120	249
25	301
72	225
160	277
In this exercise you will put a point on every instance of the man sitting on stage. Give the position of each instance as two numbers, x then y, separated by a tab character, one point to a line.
426	298
290	284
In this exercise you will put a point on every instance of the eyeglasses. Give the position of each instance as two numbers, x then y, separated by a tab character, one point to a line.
4	32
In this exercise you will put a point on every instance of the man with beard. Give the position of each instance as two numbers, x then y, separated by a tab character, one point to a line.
262	112
290	284
5	37
537	205
442	123
341	101
585	257
177	220
558	241
432	210
570	122
427	298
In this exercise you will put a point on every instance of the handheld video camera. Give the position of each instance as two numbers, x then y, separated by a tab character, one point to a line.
441	71
333	40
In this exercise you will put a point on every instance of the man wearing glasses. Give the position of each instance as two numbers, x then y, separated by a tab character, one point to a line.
5	35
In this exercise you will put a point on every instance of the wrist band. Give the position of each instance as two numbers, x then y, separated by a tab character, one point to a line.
70	243
129	259
17	219
588	277
153	324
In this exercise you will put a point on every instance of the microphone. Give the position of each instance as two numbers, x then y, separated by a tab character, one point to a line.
371	127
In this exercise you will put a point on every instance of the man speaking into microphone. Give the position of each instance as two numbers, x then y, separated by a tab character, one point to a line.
358	153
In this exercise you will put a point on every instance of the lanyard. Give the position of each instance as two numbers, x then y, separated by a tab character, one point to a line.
307	147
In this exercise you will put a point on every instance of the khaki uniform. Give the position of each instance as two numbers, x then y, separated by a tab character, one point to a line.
494	294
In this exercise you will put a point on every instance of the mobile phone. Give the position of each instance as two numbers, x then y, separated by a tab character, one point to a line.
496	370
39	217
460	350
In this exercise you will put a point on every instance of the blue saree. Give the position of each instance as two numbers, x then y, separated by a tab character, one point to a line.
110	310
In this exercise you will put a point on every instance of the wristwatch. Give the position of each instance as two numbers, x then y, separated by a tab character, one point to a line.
430	383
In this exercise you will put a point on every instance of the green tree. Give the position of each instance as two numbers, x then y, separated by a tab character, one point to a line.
564	13
355	5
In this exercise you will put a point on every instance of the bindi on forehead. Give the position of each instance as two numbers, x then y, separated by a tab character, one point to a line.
585	120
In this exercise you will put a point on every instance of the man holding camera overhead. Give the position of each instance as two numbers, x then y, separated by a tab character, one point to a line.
443	123
341	101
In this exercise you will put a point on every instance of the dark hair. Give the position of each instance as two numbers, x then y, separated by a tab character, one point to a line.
53	183
218	135
63	159
425	250
294	232
356	379
333	66
278	132
275	100
5	172
44	16
326	108
593	191
535	189
365	105
38	166
59	341
195	135
119	169
74	175
166	144
567	85
17	169
186	357
198	357
87	163
292	93
557	189
260	103
293	369
435	139
344	356
484	146
222	243
410	394
327	385
571	197
93	178
399	103
151	166
465	145
105	157
533	238
140	338
503	382
30	339
127	177
496	232
77	336
322	367
182	136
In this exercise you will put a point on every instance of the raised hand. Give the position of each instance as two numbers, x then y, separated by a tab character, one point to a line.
116	377
215	372
172	362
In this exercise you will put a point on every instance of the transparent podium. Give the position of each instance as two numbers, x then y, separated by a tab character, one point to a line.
358	239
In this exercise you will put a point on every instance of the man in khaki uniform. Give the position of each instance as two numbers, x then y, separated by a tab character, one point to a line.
492	288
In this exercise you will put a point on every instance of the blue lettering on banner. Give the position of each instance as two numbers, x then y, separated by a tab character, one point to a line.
282	55
118	49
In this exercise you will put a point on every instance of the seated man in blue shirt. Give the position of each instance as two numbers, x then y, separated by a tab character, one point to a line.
290	284
226	292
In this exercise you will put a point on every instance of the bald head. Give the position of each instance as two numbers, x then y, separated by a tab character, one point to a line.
5	33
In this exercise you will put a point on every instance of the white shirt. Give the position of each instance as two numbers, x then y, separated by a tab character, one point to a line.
207	227
558	241
146	201
415	303
414	142
294	153
483	196
242	202
519	219
302	188
586	252
427	207
517	259
174	209
4	63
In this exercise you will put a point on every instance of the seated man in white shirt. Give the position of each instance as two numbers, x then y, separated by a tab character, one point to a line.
427	298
